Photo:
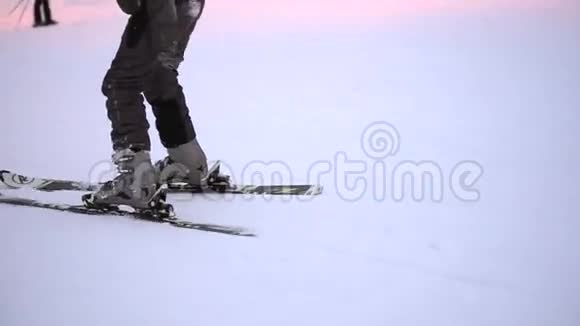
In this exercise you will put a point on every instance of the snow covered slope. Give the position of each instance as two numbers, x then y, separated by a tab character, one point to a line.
487	103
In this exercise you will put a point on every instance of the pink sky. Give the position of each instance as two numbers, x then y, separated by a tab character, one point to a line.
272	13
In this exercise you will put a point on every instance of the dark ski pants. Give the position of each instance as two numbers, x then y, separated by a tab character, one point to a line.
137	72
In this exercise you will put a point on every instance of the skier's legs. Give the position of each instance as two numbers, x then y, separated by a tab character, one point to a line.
37	12
166	96
47	12
163	90
123	85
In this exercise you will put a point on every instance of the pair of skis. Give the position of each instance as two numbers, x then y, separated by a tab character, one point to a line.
11	180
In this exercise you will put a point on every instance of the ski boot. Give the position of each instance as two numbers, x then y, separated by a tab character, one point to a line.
135	186
186	168
184	163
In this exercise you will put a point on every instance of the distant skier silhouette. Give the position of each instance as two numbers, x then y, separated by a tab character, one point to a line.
42	7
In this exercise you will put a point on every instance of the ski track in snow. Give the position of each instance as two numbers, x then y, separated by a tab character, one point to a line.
498	89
